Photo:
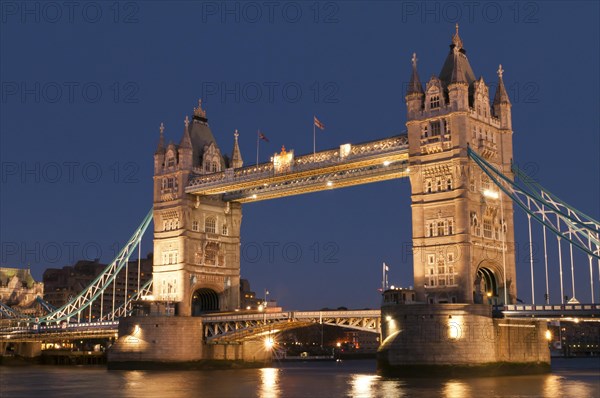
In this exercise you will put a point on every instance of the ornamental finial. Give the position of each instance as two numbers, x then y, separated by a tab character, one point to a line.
186	121
500	71
456	39
236	134
414	60
161	128
199	111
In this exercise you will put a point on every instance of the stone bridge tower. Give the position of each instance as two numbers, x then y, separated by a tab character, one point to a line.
460	221
196	239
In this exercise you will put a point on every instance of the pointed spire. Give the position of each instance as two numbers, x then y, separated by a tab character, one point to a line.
456	68
200	113
414	87
161	140
501	96
186	141
456	41
236	156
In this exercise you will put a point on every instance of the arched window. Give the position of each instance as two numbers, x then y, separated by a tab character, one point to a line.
210	225
431	227
440	228
434	102
171	161
429	186
225	229
214	167
449	184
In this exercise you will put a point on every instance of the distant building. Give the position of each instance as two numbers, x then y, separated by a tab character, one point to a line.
18	289
64	284
249	301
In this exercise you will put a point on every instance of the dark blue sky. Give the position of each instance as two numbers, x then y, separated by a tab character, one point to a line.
85	89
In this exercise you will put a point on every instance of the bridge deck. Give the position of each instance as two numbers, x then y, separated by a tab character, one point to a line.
346	166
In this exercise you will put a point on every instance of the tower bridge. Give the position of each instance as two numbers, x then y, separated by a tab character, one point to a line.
458	155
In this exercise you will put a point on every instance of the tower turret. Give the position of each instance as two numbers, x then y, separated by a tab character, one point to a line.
236	156
502	103
414	93
159	155
185	147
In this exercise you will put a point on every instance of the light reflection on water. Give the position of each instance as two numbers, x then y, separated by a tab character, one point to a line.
269	387
330	380
457	389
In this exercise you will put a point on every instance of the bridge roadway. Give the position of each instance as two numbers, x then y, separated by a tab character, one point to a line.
239	326
286	175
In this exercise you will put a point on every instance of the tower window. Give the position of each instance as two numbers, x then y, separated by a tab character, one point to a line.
195	226
225	229
487	228
435	128
214	167
210	225
449	184
434	102
171	161
428	186
440	228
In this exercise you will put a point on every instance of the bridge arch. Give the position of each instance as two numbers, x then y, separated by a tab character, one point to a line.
486	283
204	300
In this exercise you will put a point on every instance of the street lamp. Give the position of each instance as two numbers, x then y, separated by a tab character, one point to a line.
265	301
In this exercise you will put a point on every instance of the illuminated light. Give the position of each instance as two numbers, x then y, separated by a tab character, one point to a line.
393	287
345	150
488	193
455	327
260	307
254	196
408	169
265	184
248	307
489	294
576	320
388	318
548	335
136	329
386	163
329	183
269	343
338	344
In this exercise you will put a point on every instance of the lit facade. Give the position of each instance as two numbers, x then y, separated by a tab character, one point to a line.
460	221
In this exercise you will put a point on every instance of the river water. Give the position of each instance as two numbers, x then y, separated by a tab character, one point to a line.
578	378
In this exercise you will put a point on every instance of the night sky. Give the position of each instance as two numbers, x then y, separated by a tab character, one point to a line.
84	90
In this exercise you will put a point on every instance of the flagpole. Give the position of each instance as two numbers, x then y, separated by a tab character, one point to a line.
314	140
383	278
257	144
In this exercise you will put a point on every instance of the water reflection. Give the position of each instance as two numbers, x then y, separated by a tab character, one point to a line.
456	389
552	385
362	385
269	383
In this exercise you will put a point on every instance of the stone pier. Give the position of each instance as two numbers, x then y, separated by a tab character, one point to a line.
459	339
155	342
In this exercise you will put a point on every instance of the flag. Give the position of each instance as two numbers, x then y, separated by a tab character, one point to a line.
262	137
318	123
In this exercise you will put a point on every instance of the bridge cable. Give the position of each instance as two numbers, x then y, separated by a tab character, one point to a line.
547	295
531	256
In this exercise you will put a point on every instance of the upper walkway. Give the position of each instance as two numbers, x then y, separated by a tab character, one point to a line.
286	175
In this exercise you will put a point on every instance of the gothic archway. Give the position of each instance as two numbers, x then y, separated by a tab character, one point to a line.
204	300
486	286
